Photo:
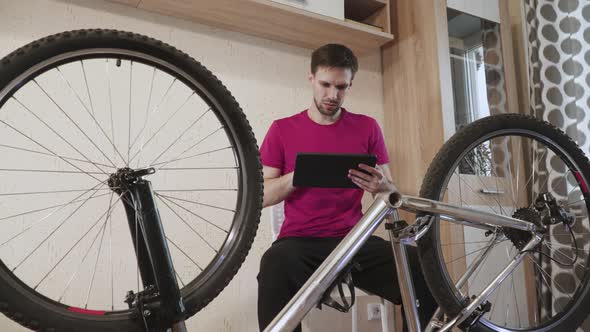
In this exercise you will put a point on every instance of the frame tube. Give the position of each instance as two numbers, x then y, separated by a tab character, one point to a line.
311	292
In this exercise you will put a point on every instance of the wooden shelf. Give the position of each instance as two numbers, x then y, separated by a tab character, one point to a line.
361	10
271	20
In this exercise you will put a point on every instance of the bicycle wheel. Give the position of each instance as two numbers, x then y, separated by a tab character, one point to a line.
74	108
503	164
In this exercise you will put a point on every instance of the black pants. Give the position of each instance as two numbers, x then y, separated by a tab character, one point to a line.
289	262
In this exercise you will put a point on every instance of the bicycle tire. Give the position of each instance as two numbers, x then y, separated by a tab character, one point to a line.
451	301
31	309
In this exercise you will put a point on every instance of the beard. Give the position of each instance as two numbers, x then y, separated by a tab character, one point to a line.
324	111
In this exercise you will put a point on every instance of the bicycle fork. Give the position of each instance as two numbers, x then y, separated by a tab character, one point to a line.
160	303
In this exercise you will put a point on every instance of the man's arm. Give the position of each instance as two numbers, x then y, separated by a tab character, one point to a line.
276	187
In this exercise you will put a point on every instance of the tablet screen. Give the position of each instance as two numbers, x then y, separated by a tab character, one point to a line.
330	170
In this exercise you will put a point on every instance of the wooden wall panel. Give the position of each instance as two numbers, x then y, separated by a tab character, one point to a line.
412	91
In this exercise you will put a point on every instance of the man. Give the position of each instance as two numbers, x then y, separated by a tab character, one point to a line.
316	219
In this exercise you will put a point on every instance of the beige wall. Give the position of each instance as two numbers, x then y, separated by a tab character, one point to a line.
268	79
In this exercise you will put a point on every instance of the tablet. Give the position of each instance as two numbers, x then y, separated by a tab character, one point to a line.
323	170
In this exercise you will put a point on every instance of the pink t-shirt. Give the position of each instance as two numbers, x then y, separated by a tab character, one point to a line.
321	212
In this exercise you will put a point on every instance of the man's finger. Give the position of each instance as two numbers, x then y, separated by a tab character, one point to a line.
360	175
371	170
360	184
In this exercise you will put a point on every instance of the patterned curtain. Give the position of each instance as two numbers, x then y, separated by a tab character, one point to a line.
559	70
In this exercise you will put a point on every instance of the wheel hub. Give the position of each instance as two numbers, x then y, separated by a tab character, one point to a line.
124	177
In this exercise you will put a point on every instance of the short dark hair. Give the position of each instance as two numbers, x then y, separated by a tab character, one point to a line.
334	55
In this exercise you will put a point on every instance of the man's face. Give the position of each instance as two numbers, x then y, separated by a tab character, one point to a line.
330	86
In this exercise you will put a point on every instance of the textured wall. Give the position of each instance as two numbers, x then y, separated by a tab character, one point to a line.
268	79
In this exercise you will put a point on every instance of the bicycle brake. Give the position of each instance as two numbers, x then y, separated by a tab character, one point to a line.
474	318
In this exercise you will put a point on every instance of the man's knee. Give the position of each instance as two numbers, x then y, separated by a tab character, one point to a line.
280	259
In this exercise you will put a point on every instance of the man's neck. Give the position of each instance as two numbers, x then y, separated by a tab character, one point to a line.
319	118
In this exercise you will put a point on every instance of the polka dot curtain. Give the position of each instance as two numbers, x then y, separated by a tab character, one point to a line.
558	34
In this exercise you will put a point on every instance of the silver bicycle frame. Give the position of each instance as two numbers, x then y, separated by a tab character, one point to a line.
385	205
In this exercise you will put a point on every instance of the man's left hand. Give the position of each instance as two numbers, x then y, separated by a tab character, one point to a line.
374	182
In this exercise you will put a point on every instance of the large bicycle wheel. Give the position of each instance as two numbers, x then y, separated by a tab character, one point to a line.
504	164
75	108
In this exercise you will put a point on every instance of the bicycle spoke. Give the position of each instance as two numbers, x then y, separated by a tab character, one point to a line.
45	171
154	111
559	286
453	192
576	202
486	187
195	155
462	243
46	208
472	252
77	270
566	234
193	190
78	242
111	260
56	156
91	114
543	278
104	228
189	226
146	113
53	232
508	256
165	123
571	259
534	168
51	192
137	225
184	253
180	136
494	306
87	87
481	264
196	215
110	98
198	203
566	246
479	195
79	266
510	174
179	279
50	214
195	168
178	157
73	122
130	95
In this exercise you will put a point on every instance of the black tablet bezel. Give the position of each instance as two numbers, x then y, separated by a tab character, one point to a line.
328	170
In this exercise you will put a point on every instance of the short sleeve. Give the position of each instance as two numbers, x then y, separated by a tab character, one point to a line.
272	149
377	145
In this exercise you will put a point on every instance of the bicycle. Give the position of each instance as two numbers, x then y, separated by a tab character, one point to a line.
90	107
